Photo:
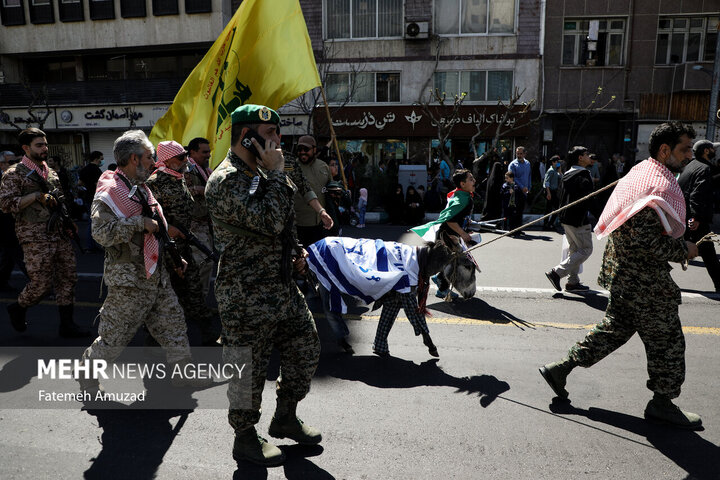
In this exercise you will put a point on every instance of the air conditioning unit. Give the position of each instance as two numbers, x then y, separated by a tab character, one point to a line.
416	30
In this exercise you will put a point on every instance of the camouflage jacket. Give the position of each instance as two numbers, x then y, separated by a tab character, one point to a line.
174	197
30	222
194	179
636	259
123	241
252	253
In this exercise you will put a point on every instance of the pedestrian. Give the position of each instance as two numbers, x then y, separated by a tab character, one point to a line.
522	172
577	183
88	177
139	291
169	188
311	217
337	201
645	221
510	194
492	209
551	182
696	184
414	207
49	256
362	207
395	206
251	205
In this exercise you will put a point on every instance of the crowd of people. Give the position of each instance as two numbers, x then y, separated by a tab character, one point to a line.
162	212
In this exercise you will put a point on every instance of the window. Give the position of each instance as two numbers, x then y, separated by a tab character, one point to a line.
608	49
479	86
71	11
685	39
472	17
198	6
165	7
364	87
102	9
12	12
41	11
132	8
363	18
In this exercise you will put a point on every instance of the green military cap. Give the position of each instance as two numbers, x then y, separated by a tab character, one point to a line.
255	114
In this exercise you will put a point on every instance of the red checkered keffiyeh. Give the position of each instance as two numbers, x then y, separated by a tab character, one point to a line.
648	184
200	169
43	170
113	192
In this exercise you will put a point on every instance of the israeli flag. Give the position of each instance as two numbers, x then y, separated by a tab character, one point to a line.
364	268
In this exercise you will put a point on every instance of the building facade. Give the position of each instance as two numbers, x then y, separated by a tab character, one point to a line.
613	70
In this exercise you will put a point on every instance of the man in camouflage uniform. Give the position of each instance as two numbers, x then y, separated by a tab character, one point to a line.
196	178
45	240
635	270
250	199
170	190
138	287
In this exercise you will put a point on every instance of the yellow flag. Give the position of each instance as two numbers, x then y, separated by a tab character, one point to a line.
263	56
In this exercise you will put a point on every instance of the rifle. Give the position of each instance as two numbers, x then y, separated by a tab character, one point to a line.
162	234
193	240
59	217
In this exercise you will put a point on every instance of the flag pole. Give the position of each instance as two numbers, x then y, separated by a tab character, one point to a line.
334	138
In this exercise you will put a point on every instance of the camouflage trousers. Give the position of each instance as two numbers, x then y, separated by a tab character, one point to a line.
189	291
125	310
49	265
263	317
205	267
658	325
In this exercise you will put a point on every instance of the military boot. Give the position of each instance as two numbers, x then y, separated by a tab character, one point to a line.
252	447
285	424
661	409
68	328
555	374
17	316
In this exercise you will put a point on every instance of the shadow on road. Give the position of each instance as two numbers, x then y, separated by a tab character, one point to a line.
480	310
590	298
698	457
296	465
395	372
133	441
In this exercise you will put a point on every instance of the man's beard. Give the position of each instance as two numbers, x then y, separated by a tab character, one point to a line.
142	173
307	159
38	157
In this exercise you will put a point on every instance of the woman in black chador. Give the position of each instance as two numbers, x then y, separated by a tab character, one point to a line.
414	207
395	206
493	201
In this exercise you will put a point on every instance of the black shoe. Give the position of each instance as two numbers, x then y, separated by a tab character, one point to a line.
17	316
346	346
576	287
381	354
554	279
432	349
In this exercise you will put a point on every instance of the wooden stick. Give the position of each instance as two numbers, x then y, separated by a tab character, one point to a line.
334	138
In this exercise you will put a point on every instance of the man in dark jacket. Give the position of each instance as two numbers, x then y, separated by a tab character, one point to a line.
577	183
697	187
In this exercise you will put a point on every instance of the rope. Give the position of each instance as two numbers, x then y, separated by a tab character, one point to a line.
606	187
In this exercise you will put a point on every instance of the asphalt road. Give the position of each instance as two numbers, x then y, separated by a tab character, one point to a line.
480	411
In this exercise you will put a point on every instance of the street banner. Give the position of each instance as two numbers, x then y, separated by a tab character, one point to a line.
263	56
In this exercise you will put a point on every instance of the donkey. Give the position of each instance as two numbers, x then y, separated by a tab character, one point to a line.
446	255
